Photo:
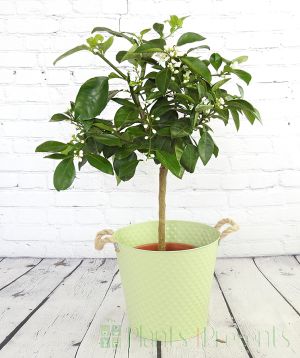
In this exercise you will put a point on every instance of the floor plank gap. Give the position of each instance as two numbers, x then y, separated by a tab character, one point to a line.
234	320
275	288
20	325
24	273
112	280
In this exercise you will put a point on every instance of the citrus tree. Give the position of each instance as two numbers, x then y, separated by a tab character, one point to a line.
170	95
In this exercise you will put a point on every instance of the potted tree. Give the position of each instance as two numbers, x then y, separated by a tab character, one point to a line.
171	93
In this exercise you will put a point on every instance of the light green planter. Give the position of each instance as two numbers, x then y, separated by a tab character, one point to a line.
167	292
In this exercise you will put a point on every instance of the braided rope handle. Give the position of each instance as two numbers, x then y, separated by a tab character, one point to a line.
232	228
104	237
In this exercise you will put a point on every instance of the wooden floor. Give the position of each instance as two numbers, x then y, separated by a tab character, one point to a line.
75	308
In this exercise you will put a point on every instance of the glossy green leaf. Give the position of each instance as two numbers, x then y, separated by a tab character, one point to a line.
126	115
189	158
197	66
220	84
235	117
180	129
198	48
51	146
163	79
124	102
100	163
107	44
216	61
156	45
108	139
189	37
56	156
114	33
92	98
169	161
125	167
159	28
243	75
70	52
64	174
58	117
205	147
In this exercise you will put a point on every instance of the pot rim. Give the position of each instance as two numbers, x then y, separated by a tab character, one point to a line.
149	252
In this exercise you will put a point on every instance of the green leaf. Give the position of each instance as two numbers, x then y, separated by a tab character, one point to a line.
51	146
124	102
176	22
159	28
64	174
156	45
163	79
216	61
241	90
107	44
125	167
113	75
189	37
104	124
243	75
58	117
189	158
120	55
205	147
240	104
198	48
249	115
56	156
235	117
218	84
180	128
170	161
126	115
70	52
197	66
99	162
114	33
92	98
108	139
240	59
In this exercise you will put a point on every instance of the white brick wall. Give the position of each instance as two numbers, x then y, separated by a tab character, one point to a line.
255	180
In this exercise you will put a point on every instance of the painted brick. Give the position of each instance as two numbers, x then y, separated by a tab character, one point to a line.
255	179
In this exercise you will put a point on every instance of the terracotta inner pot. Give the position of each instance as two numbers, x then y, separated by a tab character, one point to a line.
170	246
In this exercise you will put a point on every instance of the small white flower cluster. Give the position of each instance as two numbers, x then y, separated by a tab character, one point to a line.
186	76
79	155
220	102
147	126
205	100
76	139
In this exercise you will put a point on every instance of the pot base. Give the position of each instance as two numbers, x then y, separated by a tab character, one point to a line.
170	246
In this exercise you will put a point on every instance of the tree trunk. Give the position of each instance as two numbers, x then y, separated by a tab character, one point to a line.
162	208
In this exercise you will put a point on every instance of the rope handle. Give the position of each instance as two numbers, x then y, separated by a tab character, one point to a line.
105	237
232	228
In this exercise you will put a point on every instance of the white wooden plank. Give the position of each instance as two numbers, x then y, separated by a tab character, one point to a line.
284	273
220	338
135	347
58	327
109	334
103	335
20	298
269	325
11	269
